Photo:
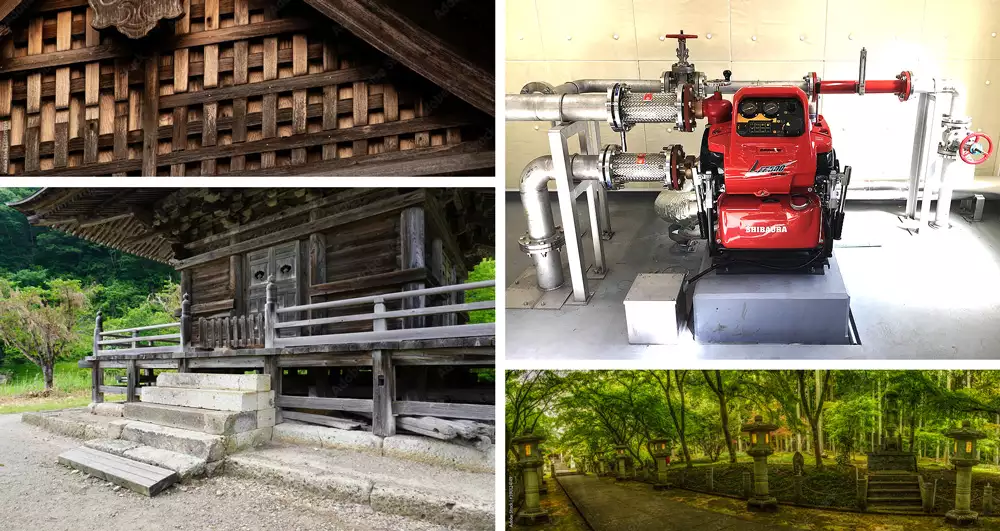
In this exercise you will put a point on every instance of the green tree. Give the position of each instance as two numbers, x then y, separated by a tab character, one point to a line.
43	324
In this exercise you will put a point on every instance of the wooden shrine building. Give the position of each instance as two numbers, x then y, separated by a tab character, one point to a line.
246	87
352	299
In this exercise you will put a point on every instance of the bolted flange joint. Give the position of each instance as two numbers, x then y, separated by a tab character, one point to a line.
532	246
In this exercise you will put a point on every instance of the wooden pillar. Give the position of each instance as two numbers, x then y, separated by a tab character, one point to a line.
317	272
383	384
272	369
331	62
132	374
300	67
270	312
210	80
412	234
236	284
179	140
33	127
151	115
185	321
96	372
241	17
269	110
64	37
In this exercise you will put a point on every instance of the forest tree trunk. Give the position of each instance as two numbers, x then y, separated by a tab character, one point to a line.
47	368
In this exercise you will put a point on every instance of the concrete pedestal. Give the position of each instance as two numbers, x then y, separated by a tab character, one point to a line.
772	308
761	499
652	314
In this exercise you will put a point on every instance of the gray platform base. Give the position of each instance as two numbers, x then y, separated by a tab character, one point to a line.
774	309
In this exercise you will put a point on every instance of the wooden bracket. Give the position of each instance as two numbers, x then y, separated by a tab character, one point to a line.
134	18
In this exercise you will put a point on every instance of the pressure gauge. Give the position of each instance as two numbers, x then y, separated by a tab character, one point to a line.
748	109
771	109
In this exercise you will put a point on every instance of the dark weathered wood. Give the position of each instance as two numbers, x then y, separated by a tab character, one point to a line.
373	209
151	116
443	409
190	40
322	420
132	374
133	475
192	128
439	160
394	35
384	375
326	404
269	88
413	240
367	282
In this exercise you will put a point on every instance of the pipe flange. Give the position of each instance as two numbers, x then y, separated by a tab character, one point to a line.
538	87
533	246
604	166
616	93
906	76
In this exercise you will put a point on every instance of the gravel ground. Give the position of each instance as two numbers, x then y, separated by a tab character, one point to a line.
36	493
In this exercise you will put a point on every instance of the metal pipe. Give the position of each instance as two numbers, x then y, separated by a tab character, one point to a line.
556	107
922	149
538	212
731	87
583	86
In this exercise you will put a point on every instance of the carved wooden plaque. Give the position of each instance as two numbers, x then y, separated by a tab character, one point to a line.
134	18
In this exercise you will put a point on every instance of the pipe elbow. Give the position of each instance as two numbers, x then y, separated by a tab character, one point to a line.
536	175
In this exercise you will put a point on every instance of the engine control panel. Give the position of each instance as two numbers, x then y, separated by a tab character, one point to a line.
770	117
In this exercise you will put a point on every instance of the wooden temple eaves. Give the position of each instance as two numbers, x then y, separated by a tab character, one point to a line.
238	87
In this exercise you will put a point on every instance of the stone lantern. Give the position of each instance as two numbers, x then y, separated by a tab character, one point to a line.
661	457
760	448
966	456
621	452
530	461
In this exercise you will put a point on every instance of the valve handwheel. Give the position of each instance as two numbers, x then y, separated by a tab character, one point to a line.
971	148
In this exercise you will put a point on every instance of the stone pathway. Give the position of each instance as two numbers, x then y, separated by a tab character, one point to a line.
608	505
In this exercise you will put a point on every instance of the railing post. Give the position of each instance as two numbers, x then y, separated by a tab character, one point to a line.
384	382
185	321
132	373
97	373
135	342
270	312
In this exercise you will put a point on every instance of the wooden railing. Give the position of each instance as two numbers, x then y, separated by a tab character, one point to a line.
379	317
263	329
136	340
245	331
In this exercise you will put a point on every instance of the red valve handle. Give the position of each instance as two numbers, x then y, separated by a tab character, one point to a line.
680	36
965	148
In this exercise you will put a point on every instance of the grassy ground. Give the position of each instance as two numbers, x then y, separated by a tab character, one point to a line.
26	389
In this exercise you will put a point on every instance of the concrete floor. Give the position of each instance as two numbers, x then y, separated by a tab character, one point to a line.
929	296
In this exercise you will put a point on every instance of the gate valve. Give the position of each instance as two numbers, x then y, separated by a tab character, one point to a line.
682	51
971	149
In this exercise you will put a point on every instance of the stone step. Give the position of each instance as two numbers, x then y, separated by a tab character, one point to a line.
201	420
133	475
894	491
214	399
224	382
894	501
201	445
893	510
444	496
186	466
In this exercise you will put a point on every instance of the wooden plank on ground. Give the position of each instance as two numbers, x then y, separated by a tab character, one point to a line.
327	404
133	475
322	420
443	409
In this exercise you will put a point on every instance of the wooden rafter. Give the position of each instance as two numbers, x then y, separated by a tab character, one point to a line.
419	50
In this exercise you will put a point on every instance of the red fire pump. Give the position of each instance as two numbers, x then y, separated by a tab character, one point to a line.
772	194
